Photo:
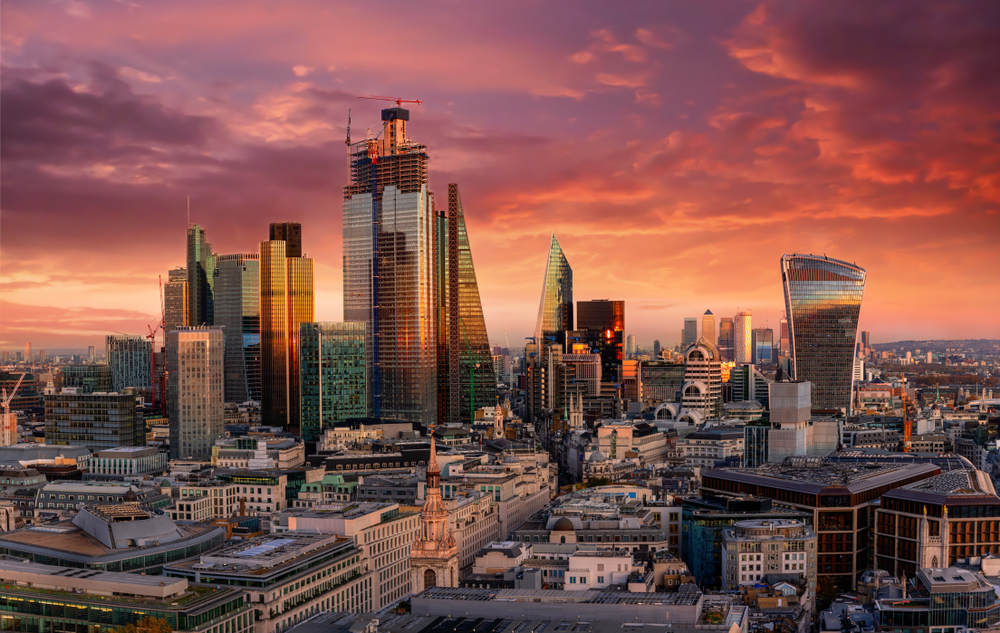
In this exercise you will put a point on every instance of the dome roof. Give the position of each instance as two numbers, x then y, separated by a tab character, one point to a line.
597	456
563	525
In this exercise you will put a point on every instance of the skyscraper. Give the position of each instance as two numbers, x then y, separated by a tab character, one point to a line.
763	346
742	342
286	300
237	310
129	358
630	346
175	299
708	327
690	332
27	353
389	257
290	233
555	310
200	276
196	413
91	353
467	380
601	323
656	349
726	339
335	373
823	303
783	338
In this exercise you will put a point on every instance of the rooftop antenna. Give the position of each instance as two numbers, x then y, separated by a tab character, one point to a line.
189	211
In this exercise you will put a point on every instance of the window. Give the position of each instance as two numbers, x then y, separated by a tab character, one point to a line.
572	580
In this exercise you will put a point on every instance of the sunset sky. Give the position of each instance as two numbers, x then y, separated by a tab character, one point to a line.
676	149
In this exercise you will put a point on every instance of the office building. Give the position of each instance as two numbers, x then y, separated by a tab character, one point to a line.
656	349
783	339
87	378
175	299
288	232
839	496
196	413
630	346
389	268
726	339
708	327
702	390
690	333
40	597
466	379
130	360
28	356
758	547
942	598
289	577
286	301
742	338
96	420
601	325
237	311
823	303
662	381
555	310
762	346
200	277
126	462
335	373
91	353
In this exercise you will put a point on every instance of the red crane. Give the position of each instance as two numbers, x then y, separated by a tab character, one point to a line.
399	102
158	383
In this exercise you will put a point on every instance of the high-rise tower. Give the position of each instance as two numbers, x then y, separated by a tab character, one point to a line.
129	359
555	311
708	327
175	300
690	332
465	362
823	303
726	338
389	271
742	341
197	411
286	300
237	310
200	276
601	323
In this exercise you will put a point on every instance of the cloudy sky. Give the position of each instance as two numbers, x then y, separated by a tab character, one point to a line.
676	149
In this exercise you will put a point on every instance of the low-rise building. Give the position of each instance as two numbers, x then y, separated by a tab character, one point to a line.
710	446
127	462
64	498
239	452
332	489
758	547
949	597
289	577
36	597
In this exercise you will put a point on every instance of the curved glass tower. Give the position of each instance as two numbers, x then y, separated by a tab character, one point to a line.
823	303
555	312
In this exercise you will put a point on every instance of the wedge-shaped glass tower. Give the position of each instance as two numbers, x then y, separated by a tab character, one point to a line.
466	381
555	312
823	303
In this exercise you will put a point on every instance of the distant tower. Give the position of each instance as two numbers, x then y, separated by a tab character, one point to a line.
201	277
197	413
783	338
555	311
27	352
128	357
630	346
656	349
742	341
237	310
498	431
726	338
690	332
434	558
708	327
175	300
91	353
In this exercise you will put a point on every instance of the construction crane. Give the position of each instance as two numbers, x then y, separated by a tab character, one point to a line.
907	424
399	102
9	426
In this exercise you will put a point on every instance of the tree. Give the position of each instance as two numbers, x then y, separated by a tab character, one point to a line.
148	624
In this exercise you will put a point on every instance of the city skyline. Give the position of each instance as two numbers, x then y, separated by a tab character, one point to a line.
615	120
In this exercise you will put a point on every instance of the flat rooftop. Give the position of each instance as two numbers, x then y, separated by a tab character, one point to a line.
391	623
955	486
263	555
812	474
64	536
592	596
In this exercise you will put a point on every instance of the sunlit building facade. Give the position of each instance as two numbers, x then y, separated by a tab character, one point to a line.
175	299
726	334
823	303
335	372
195	360
237	310
466	377
555	311
763	346
391	253
601	326
130	360
742	338
286	300
708	327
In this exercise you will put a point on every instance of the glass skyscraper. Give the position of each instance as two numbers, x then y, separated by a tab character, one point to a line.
555	311
286	300
763	346
690	336
200	277
823	303
197	412
389	256
726	338
742	339
335	373
175	300
601	325
237	310
130	360
466	378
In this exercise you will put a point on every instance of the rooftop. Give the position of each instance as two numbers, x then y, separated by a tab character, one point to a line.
262	555
592	596
963	484
813	475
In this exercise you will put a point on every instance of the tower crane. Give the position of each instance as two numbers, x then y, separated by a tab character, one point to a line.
9	426
399	102
907	424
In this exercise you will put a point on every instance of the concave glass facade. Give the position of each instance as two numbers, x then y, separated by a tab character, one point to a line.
823	303
334	372
555	311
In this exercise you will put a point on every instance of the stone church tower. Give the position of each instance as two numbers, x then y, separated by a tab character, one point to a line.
434	558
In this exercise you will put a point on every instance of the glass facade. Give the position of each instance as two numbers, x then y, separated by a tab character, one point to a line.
726	338
130	360
601	325
392	256
335	373
708	327
690	332
195	360
237	310
466	379
763	346
200	278
87	378
99	422
555	311
822	304
742	341
286	301
175	299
